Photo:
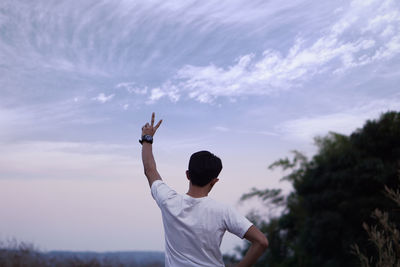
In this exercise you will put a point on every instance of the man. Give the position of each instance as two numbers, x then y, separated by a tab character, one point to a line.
194	224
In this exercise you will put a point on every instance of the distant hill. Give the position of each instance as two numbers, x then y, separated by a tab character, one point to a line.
15	253
126	258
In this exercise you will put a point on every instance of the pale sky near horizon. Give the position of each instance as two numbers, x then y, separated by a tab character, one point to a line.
248	80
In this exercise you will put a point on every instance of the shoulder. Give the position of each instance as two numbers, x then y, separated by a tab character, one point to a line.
156	184
234	221
161	192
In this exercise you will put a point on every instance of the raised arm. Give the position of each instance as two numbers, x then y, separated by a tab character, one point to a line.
149	164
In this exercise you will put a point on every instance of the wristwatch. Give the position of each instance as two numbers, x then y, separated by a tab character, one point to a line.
146	138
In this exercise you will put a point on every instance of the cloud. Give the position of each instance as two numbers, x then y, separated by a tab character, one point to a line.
304	129
102	98
345	45
156	93
221	129
95	38
132	89
138	34
41	120
69	160
245	132
208	15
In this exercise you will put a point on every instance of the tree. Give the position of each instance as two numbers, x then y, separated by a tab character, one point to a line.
333	193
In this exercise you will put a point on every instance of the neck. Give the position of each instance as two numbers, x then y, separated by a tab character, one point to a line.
197	191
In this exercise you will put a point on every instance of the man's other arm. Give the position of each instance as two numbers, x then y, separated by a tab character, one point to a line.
259	243
149	164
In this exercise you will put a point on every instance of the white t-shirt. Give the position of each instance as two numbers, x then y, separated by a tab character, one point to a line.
194	227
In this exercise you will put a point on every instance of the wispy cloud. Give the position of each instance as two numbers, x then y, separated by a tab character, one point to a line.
344	45
40	120
221	129
66	160
157	93
138	37
102	98
247	132
132	88
95	38
209	15
304	129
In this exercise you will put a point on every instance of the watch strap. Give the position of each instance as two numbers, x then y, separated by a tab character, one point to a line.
146	138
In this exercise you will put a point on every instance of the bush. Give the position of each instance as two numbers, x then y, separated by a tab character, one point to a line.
384	236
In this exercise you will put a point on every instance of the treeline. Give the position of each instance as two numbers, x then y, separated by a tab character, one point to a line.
339	212
20	254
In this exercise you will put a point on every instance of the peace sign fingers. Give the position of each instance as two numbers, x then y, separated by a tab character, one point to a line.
150	129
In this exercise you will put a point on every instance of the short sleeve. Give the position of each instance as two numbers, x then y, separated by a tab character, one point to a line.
236	223
161	192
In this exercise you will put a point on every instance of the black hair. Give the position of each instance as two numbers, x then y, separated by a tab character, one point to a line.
203	167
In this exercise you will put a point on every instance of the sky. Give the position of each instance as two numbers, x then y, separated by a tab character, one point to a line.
247	80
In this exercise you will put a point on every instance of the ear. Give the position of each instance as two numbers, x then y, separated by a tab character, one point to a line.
187	175
214	181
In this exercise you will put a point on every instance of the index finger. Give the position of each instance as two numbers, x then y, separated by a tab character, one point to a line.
152	119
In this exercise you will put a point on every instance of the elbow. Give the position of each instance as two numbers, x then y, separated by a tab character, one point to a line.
266	244
263	243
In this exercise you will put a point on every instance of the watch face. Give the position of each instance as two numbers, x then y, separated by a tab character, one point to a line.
148	137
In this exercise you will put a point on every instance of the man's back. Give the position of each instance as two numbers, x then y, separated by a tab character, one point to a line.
194	227
193	223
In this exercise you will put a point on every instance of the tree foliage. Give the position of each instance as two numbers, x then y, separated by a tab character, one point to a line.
333	194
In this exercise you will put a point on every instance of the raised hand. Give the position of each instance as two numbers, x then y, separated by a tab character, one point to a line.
150	129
